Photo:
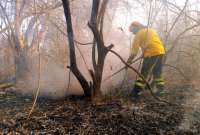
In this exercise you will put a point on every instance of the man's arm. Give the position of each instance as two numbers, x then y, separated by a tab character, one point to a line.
134	49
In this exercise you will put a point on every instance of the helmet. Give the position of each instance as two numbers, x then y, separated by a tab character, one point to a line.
134	24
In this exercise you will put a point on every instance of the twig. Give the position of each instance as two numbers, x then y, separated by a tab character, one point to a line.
179	36
175	6
39	76
168	65
176	20
75	41
82	56
65	34
89	43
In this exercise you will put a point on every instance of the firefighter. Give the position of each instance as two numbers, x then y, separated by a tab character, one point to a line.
153	53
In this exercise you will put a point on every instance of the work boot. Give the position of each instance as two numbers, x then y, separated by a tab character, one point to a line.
135	94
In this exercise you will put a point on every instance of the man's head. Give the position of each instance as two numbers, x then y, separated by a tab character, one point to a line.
135	27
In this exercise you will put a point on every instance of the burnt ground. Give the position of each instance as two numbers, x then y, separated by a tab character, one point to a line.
116	116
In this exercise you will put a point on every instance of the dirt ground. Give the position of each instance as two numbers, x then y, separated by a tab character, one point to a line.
116	116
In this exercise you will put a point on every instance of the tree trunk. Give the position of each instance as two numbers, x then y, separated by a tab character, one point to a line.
73	66
96	25
20	52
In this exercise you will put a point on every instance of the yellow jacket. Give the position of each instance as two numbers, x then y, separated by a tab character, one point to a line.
149	42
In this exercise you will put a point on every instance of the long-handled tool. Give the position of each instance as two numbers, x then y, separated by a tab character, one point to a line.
118	71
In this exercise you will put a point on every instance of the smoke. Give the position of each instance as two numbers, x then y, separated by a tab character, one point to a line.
53	79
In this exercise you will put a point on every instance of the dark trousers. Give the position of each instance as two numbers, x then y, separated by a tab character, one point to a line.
151	65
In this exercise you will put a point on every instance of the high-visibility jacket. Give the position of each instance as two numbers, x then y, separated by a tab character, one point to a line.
148	40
